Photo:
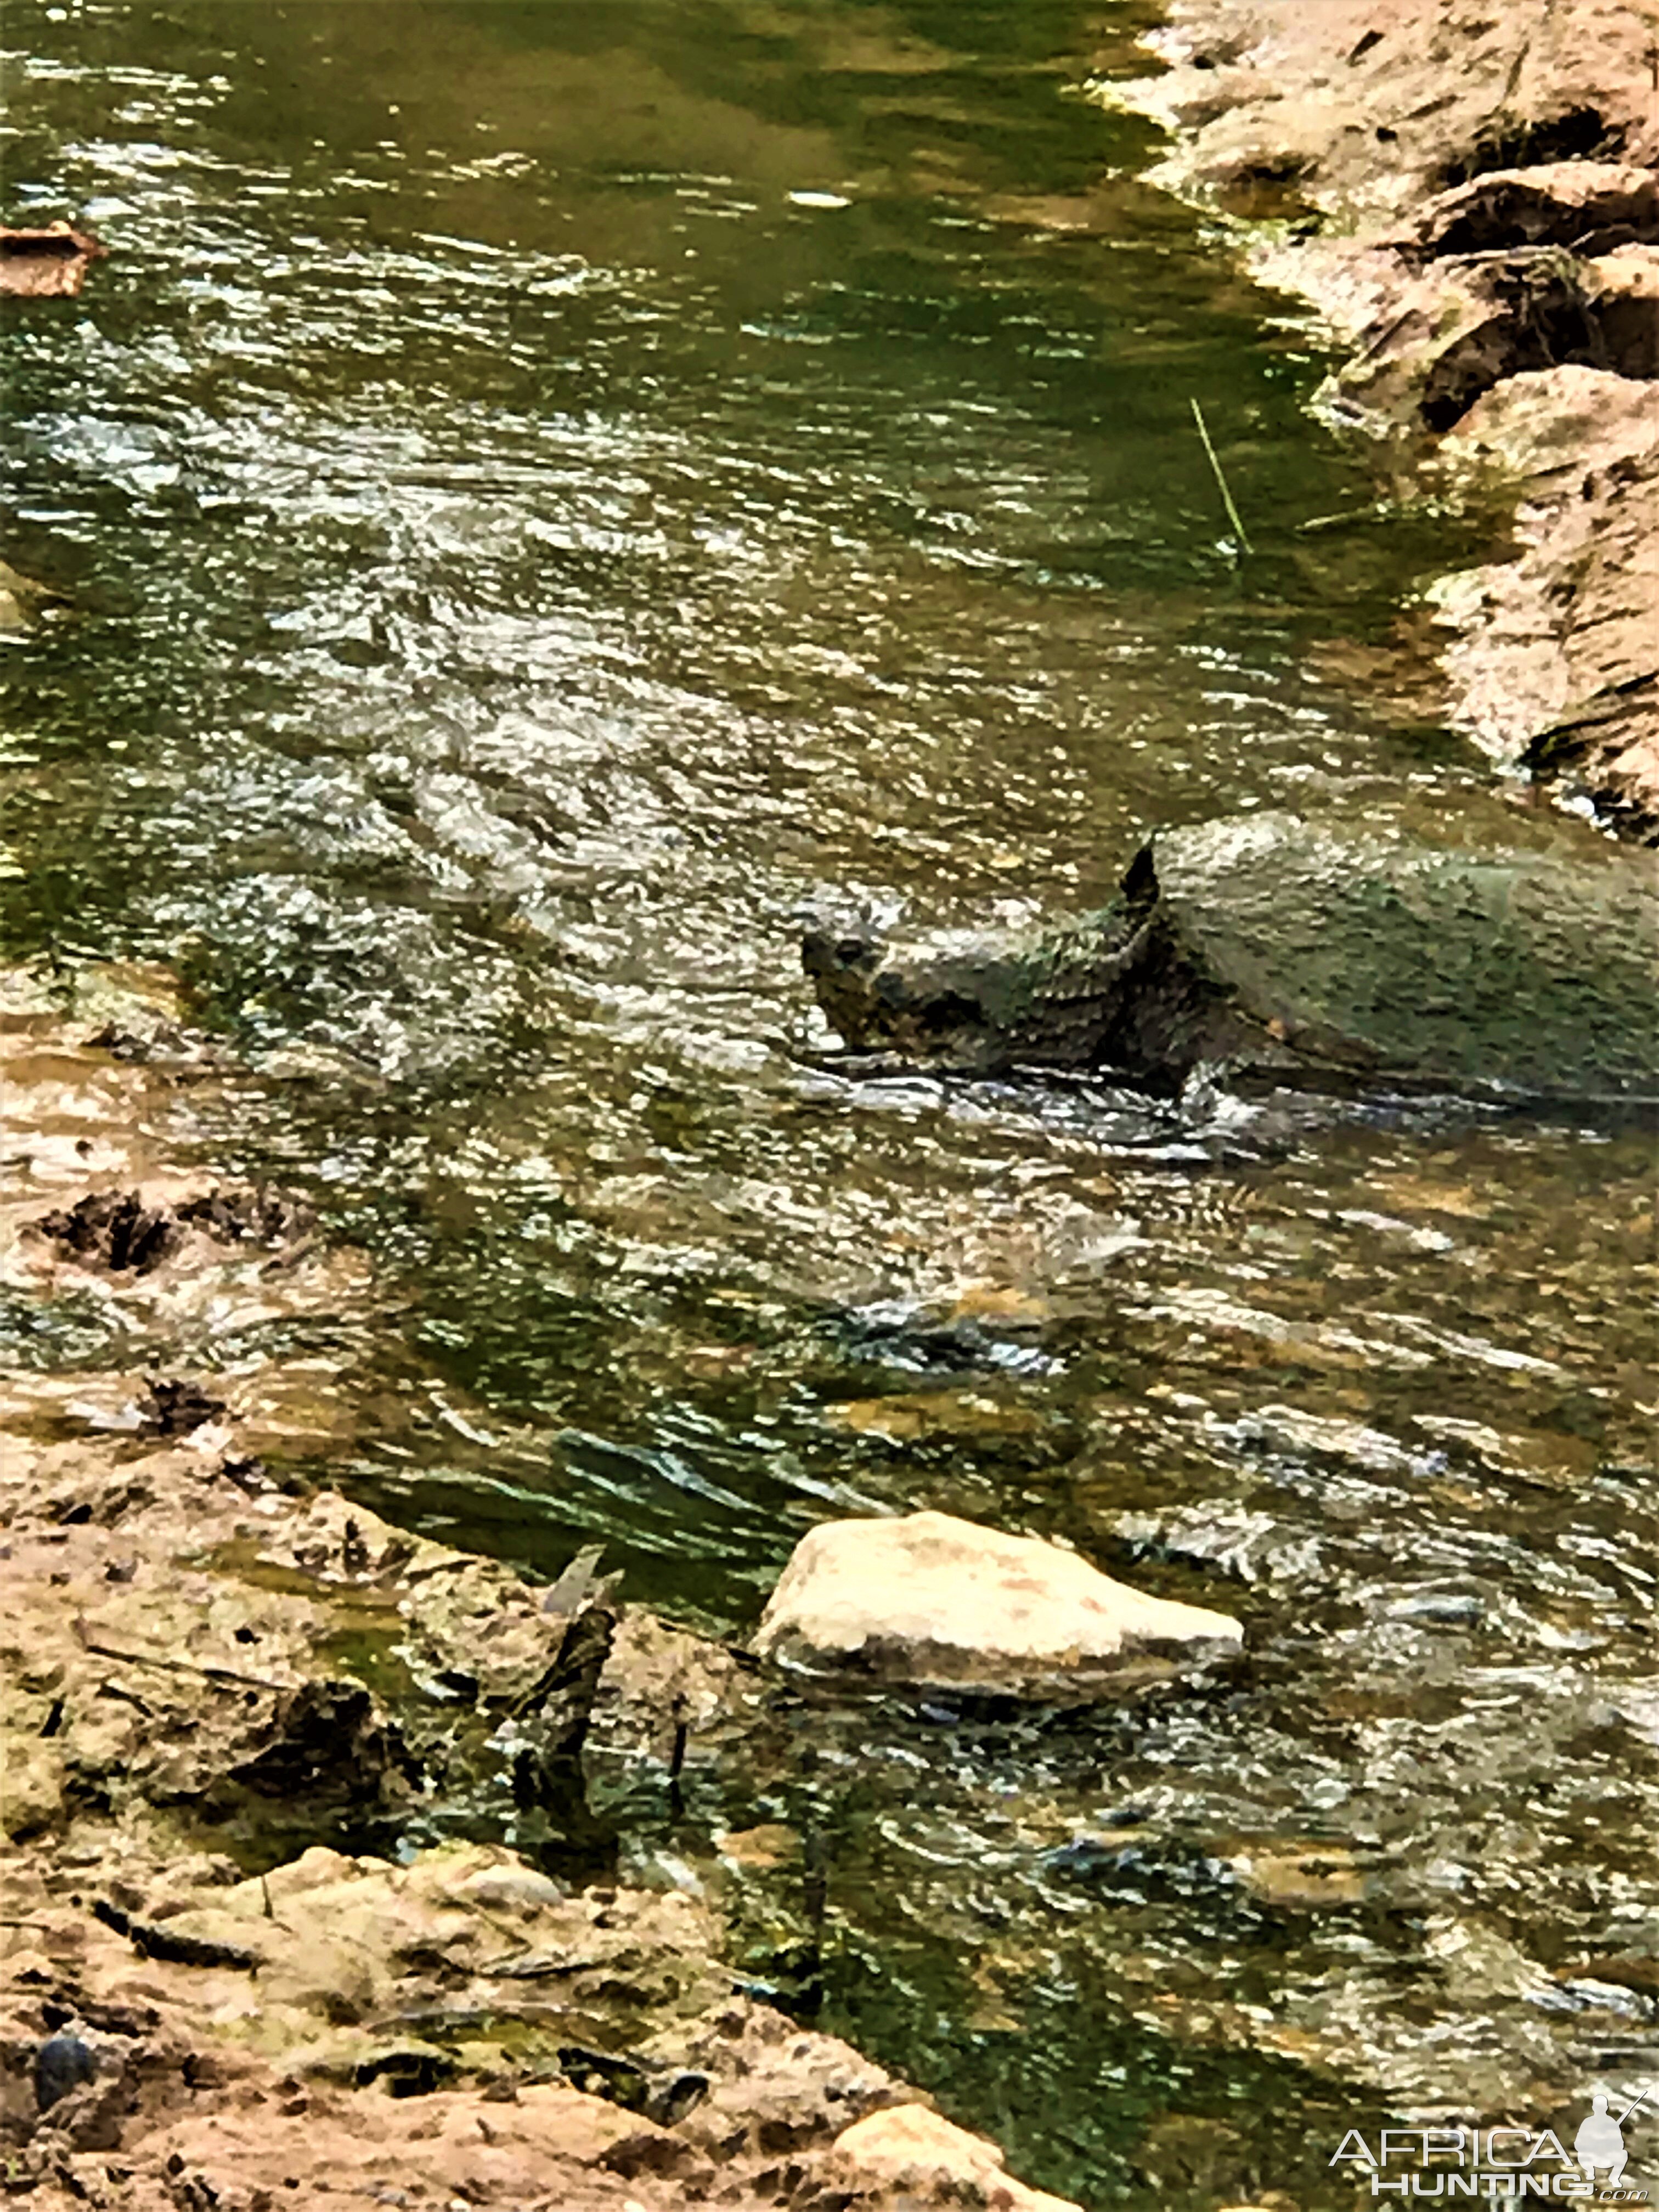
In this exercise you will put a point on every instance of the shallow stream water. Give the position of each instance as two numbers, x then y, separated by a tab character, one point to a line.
543	491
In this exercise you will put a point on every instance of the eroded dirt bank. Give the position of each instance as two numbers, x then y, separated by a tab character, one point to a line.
233	1708
1467	195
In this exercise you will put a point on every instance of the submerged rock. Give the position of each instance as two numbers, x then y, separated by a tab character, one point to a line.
928	1598
1284	945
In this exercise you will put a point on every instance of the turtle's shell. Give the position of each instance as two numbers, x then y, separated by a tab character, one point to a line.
1520	970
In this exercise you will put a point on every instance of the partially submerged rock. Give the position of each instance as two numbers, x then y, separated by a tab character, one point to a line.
117	1231
929	1598
47	263
173	1625
1272	943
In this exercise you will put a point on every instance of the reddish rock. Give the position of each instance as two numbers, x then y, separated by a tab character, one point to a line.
1551	654
47	264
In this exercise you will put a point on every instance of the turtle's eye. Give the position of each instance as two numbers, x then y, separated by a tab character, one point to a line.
851	950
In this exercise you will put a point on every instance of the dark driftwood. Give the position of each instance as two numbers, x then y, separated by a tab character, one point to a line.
170	1945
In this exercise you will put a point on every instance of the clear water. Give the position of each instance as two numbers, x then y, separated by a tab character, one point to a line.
543	491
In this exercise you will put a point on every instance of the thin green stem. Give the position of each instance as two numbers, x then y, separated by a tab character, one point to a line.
1226	497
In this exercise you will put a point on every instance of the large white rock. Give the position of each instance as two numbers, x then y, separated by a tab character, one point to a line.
929	1598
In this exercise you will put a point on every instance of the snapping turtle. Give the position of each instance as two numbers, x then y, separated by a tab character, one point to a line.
1271	943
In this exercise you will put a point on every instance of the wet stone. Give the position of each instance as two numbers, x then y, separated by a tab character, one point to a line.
62	2064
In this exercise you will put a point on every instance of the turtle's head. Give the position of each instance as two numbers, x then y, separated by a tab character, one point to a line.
928	1001
841	953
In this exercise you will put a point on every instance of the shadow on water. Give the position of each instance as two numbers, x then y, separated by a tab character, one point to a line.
543	489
